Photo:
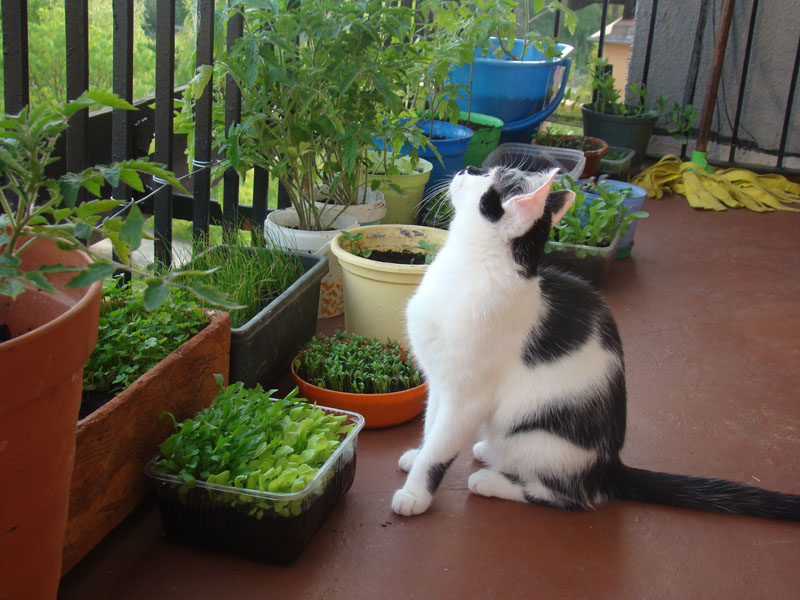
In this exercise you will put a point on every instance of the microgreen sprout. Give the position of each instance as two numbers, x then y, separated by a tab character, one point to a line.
250	440
350	363
351	242
430	250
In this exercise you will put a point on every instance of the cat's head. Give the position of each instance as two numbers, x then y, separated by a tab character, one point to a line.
510	207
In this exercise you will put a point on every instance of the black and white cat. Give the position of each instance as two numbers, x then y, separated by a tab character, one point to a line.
532	357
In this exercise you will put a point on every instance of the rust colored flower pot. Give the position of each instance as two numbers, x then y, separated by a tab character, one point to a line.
378	410
41	373
115	442
595	151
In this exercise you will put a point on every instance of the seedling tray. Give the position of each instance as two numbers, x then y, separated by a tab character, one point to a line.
264	526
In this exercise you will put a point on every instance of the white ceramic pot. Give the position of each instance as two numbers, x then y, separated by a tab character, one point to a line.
369	212
281	228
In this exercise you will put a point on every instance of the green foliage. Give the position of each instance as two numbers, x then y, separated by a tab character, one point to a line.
558	140
681	121
593	221
430	250
350	242
608	99
131	340
249	440
47	43
350	363
37	206
252	277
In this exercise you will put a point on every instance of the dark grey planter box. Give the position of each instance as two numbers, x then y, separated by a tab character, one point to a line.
262	348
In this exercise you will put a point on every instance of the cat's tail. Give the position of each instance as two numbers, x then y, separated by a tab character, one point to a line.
702	493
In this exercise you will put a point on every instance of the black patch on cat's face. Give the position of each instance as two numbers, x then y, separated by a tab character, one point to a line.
529	247
574	311
491	205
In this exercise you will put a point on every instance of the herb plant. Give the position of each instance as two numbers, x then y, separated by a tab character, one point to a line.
131	341
558	140
354	364
250	440
430	250
36	205
594	221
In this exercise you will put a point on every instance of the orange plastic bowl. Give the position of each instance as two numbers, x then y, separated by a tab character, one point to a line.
378	410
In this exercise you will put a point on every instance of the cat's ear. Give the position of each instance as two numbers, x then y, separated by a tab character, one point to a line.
528	208
558	203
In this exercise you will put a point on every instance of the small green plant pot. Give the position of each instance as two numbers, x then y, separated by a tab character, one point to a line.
485	138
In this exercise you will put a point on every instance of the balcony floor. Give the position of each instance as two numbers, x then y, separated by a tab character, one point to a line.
709	312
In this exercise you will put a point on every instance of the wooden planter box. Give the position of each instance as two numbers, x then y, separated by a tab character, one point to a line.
115	442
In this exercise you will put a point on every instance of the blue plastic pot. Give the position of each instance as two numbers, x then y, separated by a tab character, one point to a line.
632	203
451	141
510	90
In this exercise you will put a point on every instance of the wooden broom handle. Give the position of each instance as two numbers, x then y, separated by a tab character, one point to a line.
716	72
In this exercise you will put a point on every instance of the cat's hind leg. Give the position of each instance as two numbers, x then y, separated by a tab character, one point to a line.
493	484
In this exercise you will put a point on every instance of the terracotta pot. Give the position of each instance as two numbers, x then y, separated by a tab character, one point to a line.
115	442
41	373
378	410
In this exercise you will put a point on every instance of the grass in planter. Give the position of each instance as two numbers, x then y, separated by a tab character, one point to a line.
350	363
251	278
131	340
249	440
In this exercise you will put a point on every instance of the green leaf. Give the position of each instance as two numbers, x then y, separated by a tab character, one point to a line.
93	272
131	177
212	296
11	287
38	279
95	207
155	293
132	227
106	98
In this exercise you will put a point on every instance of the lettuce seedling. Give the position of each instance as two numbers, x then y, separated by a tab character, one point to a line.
250	440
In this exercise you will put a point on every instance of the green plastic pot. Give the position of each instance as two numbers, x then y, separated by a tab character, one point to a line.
485	138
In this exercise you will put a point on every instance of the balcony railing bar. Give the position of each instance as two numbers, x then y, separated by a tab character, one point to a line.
603	22
233	115
202	122
15	56
165	91
76	22
789	103
737	119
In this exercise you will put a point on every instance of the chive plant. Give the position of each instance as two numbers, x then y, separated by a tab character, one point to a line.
354	364
252	277
247	439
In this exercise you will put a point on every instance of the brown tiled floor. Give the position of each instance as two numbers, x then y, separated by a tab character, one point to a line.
709	311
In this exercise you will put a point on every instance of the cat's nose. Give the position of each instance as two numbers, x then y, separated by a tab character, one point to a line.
470	170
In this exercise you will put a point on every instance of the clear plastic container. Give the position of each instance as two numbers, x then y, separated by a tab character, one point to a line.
537	158
271	527
592	263
617	168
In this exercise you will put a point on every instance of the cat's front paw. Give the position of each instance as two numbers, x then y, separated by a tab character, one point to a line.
409	503
407	460
480	451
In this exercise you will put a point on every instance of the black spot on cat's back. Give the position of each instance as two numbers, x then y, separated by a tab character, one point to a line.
573	312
